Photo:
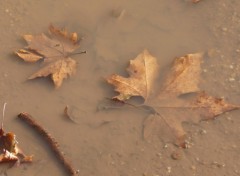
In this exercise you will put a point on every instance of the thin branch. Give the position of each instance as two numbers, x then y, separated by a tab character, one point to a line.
51	141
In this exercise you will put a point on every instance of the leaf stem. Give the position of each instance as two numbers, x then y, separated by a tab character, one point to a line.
81	52
71	54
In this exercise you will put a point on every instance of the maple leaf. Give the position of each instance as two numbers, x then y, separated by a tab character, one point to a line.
170	109
183	77
142	70
167	121
55	50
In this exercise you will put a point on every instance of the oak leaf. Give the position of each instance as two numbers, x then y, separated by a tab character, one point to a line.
55	50
170	108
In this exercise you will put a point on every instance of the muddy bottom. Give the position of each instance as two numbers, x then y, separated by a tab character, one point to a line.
109	142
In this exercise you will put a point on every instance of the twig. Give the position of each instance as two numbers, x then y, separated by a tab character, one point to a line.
51	141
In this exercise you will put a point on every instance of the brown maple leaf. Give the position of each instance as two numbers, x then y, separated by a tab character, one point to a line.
167	120
183	77
169	109
142	70
55	50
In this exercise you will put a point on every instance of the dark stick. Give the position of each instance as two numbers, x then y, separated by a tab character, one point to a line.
51	141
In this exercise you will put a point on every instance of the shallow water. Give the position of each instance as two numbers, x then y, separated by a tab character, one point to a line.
113	33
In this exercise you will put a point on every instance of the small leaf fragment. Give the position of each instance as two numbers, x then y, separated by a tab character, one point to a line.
7	156
9	150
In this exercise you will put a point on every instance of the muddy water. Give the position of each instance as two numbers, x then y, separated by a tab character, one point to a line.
110	142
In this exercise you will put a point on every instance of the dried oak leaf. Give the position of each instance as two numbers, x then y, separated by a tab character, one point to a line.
170	109
142	70
55	50
9	150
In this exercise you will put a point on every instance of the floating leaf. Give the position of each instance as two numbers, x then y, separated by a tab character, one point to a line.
55	49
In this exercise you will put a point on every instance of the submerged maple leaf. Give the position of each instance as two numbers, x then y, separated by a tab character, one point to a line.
54	49
169	109
183	77
142	70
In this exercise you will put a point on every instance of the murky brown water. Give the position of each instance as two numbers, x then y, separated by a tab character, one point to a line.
115	32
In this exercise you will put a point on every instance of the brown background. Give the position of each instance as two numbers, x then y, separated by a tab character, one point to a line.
167	28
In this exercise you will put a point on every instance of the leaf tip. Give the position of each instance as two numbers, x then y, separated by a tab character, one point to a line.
28	37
